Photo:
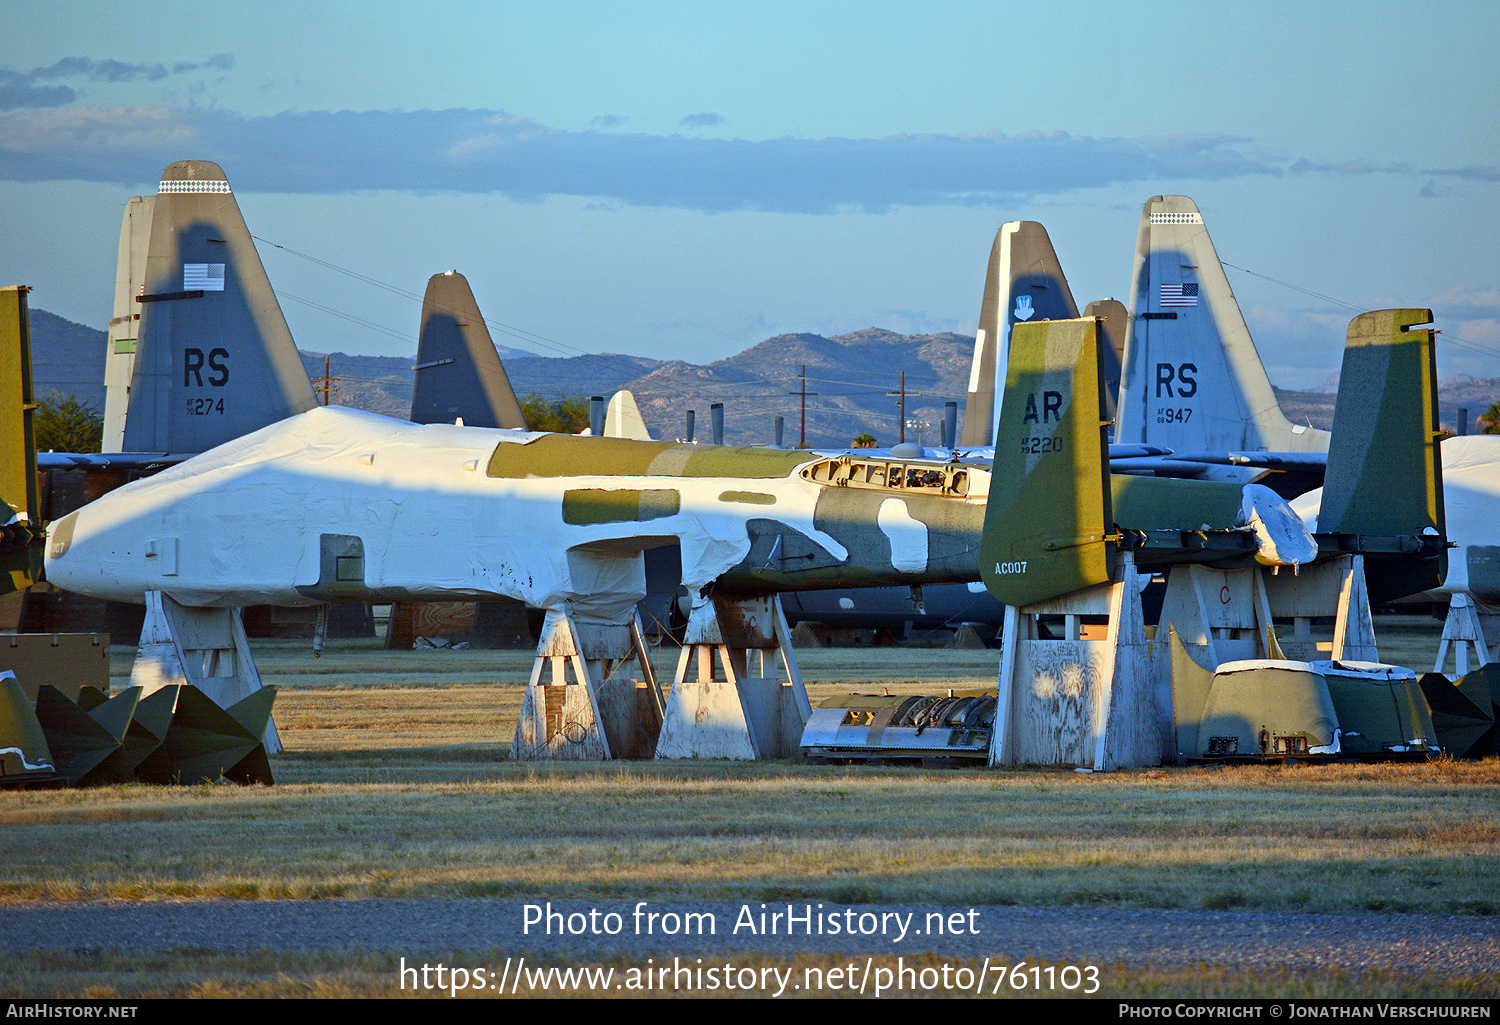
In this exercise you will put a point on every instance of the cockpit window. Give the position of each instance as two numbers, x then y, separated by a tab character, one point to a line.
887	475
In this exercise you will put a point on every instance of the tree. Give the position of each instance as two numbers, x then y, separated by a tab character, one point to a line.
564	416
64	423
864	441
1491	420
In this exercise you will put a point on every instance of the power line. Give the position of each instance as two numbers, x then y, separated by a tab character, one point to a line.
1447	336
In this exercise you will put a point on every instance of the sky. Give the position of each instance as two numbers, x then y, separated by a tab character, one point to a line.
683	180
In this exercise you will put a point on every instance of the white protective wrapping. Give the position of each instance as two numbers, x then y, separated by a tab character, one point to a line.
1281	537
249	515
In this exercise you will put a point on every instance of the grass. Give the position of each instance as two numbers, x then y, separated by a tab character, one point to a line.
395	784
453	821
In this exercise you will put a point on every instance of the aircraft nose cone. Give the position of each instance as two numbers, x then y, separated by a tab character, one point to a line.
59	540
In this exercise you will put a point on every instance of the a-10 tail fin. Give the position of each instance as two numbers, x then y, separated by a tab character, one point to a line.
459	374
1055	520
1194	381
214	359
1024	284
1385	475
20	520
1048	520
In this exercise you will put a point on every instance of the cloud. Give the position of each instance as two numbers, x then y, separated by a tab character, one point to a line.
15	92
18	89
1432	190
489	151
1351	167
1466	302
608	120
704	120
58	138
1474	172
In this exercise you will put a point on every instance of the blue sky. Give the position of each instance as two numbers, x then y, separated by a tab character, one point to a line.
684	180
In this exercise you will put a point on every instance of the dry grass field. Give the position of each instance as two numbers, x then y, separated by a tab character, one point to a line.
395	783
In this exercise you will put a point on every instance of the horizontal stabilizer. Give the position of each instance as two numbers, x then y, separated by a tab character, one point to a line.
109	460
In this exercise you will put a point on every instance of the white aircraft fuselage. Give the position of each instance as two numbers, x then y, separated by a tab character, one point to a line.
337	503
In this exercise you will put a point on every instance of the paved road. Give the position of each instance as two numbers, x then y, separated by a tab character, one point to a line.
433	929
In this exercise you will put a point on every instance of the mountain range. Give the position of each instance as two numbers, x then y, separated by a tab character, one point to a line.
851	381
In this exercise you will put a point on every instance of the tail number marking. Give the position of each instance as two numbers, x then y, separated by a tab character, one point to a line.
1001	568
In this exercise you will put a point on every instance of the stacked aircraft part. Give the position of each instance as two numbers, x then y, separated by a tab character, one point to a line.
1264	709
866	727
175	734
1464	711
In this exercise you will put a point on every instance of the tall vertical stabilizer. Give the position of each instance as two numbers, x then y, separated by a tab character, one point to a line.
1193	379
214	359
119	354
459	374
1024	283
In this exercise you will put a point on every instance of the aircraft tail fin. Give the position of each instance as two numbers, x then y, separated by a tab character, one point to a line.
459	374
1194	381
1383	492
214	359
1024	284
120	343
1048	519
20	512
1114	321
623	418
1384	472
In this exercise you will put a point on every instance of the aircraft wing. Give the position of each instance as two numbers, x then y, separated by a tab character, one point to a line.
109	460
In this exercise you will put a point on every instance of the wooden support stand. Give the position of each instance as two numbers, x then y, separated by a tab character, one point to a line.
724	712
204	647
1112	702
1229	615
1462	630
1078	700
587	709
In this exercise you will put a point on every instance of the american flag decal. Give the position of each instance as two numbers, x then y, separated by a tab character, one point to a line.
1185	294
209	277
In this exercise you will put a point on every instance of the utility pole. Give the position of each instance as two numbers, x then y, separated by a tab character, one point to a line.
325	384
802	435
903	393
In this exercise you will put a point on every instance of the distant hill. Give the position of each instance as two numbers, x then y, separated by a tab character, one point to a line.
1315	408
66	358
851	375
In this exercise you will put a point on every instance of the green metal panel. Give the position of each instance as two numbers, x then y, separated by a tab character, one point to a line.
20	558
1048	513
